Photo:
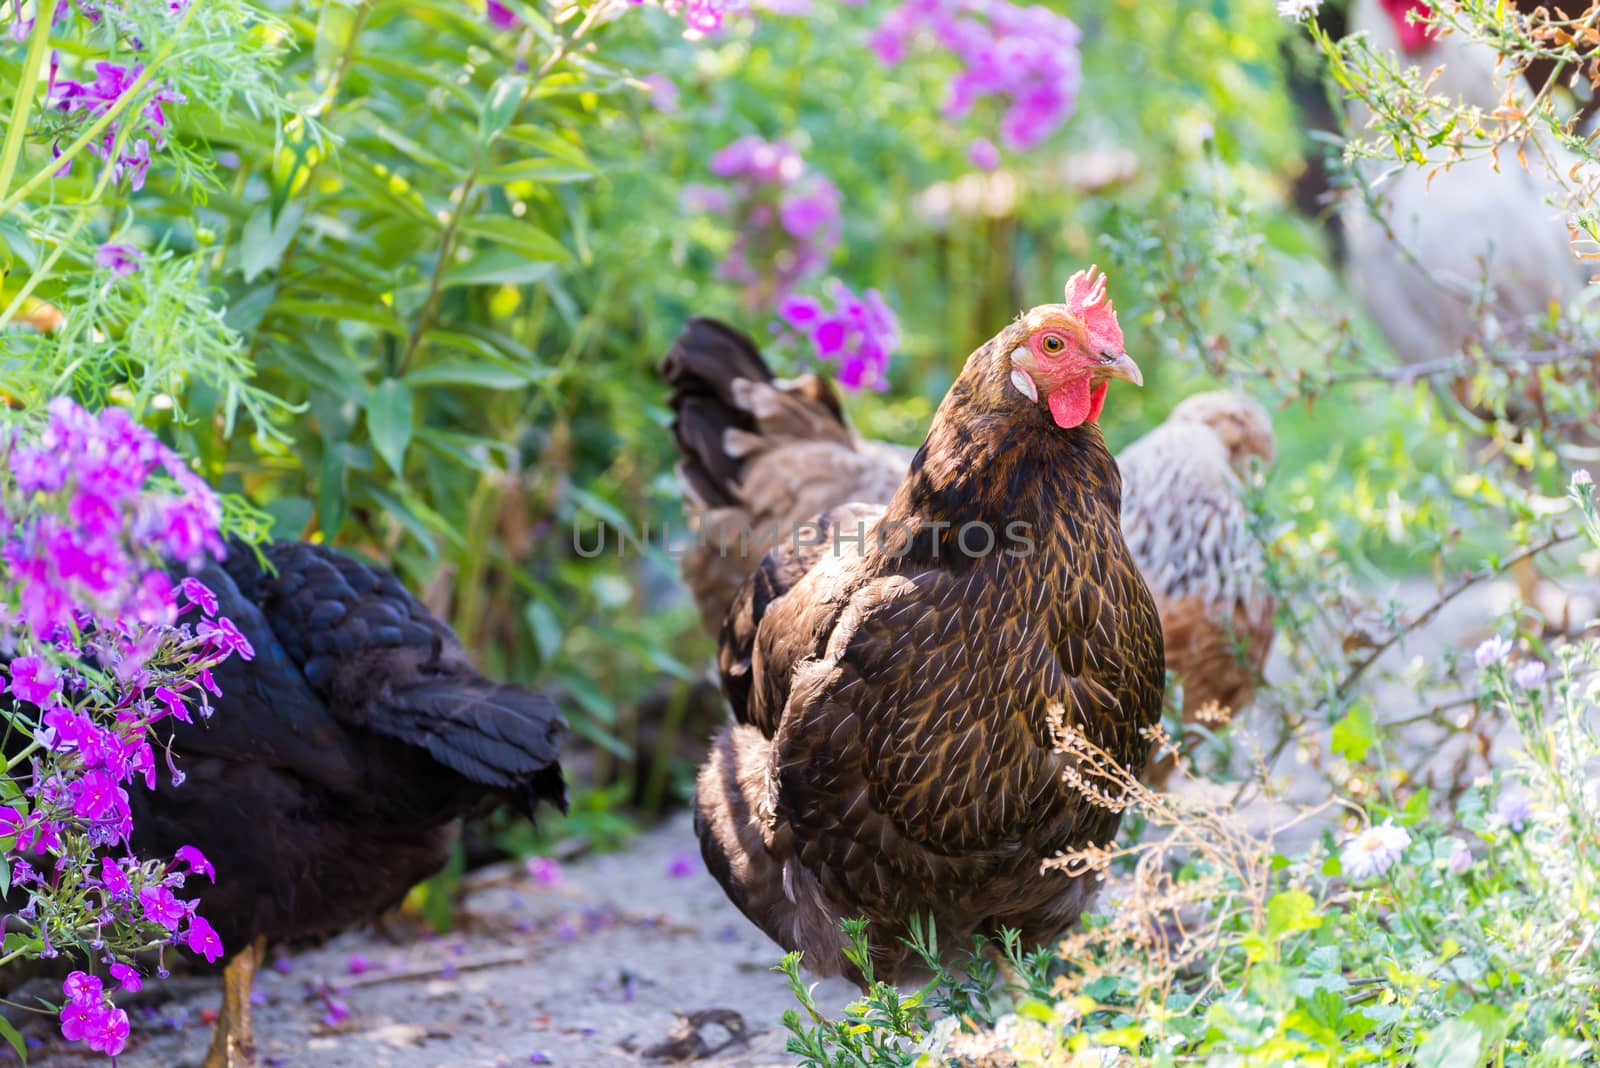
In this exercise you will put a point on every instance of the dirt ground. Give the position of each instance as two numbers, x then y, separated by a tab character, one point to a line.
589	972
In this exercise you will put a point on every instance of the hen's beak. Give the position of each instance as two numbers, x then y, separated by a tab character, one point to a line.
1124	368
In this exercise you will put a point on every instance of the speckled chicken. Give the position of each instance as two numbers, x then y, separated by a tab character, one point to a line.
1188	529
340	761
897	686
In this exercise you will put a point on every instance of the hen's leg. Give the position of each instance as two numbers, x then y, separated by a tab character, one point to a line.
232	1043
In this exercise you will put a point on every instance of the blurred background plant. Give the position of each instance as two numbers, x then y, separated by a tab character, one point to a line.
398	273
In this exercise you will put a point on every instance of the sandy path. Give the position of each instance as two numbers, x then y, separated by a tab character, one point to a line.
588	972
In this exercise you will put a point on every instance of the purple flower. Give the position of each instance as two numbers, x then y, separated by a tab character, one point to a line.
82	987
501	16
544	871
860	333
1513	809
94	98
1491	651
120	260
113	878
813	212
202	939
225	637
682	865
1529	675
161	907
196	861
1459	858
983	154
177	707
357	964
33	680
108	1032
198	593
126	976
663	93
1026	57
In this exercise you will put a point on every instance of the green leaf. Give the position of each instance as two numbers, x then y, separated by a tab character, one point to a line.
11	1035
1290	911
497	266
263	242
523	237
335	25
546	628
548	171
330	492
5	876
553	144
1450	1045
467	373
500	107
389	415
1355	734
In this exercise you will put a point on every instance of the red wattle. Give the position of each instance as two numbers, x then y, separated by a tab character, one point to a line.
1097	401
1072	403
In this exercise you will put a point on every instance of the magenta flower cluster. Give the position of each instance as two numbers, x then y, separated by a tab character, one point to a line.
1026	57
860	334
786	220
98	644
92	99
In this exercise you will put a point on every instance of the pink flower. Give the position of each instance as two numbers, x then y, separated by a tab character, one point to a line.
544	870
983	154
33	680
161	907
120	260
501	16
126	976
202	939
196	861
861	334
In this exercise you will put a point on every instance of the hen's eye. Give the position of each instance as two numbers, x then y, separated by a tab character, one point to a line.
1053	344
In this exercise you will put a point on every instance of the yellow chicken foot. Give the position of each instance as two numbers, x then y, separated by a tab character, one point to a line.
232	1043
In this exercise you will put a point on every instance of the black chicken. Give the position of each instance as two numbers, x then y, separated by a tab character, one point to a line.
339	762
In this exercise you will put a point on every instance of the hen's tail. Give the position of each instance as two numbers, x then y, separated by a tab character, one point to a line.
730	406
498	736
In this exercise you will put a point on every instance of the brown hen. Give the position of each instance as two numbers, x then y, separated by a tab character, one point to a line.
788	454
1189	531
896	688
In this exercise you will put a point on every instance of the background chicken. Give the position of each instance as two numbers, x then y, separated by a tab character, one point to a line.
340	761
1188	530
894	698
1420	267
759	454
1446	239
790	455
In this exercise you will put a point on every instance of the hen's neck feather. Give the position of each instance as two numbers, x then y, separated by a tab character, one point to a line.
1005	461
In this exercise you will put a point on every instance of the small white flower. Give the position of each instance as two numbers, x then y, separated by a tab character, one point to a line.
1298	10
1492	651
1373	851
1581	478
1530	676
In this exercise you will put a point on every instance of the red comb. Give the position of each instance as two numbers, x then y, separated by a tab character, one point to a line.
1086	291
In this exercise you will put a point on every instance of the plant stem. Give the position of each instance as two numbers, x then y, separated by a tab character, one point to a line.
447	242
38	44
43	270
